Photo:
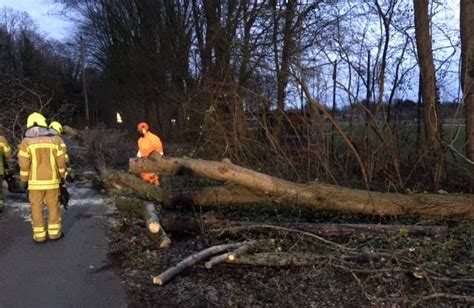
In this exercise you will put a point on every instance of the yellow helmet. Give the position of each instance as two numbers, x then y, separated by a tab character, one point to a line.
36	119
56	126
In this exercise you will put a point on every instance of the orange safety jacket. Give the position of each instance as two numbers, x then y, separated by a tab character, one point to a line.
149	143
42	162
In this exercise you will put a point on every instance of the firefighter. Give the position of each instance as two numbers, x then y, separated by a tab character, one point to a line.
5	154
147	144
56	129
42	170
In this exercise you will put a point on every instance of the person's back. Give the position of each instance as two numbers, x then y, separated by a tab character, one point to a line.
37	154
42	169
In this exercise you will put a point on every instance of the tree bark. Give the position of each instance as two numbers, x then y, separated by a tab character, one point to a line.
435	161
317	196
467	76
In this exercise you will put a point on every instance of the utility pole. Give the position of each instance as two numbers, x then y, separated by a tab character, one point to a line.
84	82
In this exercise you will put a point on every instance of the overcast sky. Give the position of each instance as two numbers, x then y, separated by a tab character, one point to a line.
46	15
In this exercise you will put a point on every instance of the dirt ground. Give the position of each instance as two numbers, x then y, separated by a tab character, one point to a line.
365	271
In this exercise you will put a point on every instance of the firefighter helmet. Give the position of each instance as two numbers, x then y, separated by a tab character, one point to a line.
36	119
56	126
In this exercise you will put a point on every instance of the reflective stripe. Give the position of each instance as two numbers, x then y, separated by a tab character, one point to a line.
62	170
60	153
24	154
43	182
35	146
34	166
63	145
39	233
52	162
40	236
54	233
54	226
43	187
24	173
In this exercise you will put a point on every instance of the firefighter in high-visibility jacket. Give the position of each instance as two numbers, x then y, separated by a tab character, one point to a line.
42	170
148	143
5	154
56	129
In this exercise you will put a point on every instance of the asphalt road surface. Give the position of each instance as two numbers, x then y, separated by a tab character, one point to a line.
73	272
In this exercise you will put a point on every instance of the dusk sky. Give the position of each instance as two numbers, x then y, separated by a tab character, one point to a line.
46	15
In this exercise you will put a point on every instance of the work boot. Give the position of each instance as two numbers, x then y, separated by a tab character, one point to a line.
39	242
61	236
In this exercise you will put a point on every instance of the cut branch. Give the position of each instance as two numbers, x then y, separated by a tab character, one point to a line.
191	260
278	259
230	255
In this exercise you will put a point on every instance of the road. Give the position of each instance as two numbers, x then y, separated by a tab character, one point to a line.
73	272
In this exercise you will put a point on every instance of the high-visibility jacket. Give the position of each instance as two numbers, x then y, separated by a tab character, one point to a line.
149	143
54	133
5	153
42	162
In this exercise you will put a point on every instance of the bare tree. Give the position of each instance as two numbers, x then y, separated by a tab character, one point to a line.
435	157
467	76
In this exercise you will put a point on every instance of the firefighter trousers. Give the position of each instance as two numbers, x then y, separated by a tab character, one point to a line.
38	198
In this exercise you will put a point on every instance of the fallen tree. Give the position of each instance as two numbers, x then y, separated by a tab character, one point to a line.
315	196
229	194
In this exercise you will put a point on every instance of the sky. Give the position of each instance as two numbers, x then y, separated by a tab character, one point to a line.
46	15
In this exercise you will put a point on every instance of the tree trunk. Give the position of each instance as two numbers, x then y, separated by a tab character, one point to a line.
435	160
467	76
230	194
317	196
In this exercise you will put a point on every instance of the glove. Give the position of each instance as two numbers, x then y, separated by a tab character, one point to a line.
64	197
69	176
10	179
